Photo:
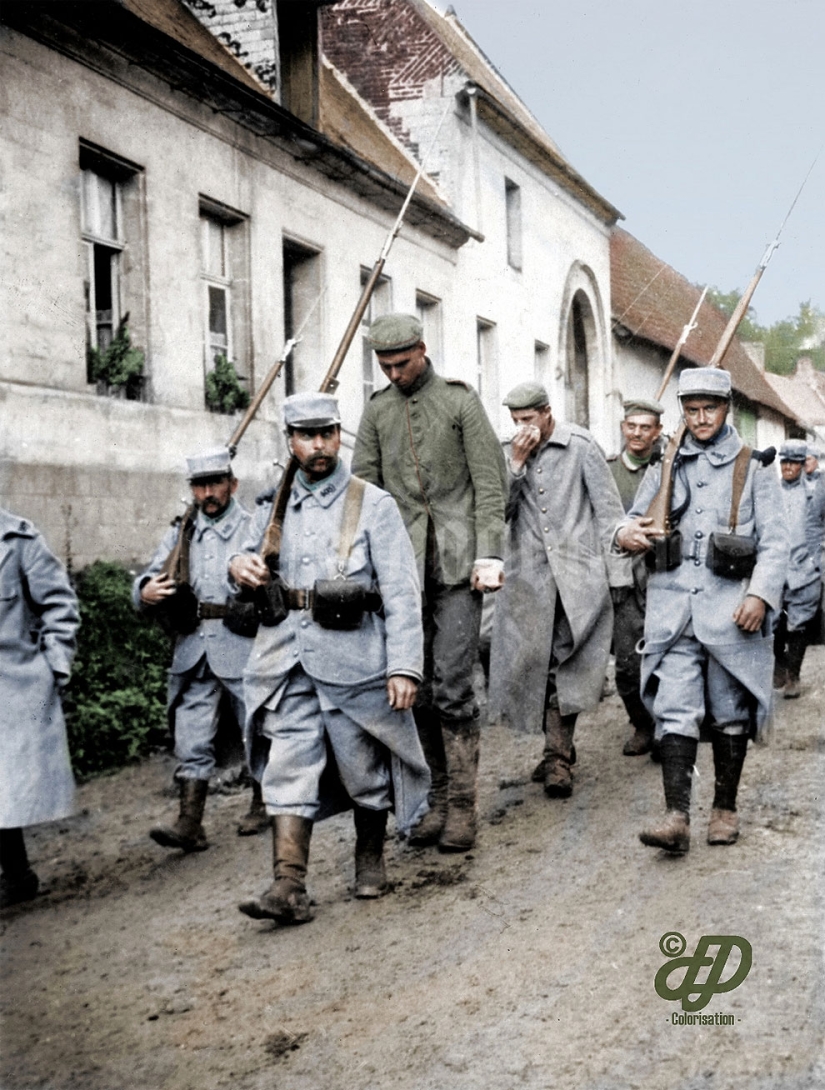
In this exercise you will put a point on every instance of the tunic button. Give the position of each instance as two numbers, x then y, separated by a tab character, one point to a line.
304	624
698	510
546	530
697	563
544	510
538	470
549	548
694	590
698	534
541	491
305	560
295	653
700	484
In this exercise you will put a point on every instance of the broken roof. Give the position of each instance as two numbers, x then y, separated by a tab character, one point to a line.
653	303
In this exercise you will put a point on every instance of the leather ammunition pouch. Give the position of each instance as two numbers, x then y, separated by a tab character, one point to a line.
731	555
241	617
665	552
178	615
342	603
270	602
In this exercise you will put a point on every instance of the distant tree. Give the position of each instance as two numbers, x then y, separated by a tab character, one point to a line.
786	340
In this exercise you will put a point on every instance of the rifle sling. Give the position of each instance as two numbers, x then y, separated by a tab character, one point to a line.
353	501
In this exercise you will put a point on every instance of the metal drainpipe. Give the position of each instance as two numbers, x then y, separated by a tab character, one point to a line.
473	97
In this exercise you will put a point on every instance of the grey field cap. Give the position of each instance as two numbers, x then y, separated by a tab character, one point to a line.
704	382
793	450
814	452
527	395
642	406
209	463
310	410
395	332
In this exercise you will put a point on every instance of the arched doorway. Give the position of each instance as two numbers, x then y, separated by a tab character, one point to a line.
581	332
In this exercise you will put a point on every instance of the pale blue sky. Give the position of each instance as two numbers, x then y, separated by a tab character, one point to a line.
697	119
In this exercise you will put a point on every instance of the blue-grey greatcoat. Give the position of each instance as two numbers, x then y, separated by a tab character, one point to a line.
38	621
562	510
692	594
805	516
350	667
213	543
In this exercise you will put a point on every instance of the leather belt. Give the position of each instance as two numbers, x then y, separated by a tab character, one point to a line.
304	598
211	610
299	598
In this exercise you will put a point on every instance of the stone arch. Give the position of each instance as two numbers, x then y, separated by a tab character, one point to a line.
583	350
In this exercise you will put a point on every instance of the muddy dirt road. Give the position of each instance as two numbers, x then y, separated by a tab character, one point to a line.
528	963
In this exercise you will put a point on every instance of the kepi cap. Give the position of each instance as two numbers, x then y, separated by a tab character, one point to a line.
639	406
814	452
395	332
310	410
527	395
704	382
793	450
209	463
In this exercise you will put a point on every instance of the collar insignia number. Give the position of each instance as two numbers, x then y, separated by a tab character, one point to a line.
695	995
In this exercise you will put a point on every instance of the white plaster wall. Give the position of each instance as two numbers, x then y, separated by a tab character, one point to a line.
118	465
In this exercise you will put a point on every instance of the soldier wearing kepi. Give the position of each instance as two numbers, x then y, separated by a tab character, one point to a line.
428	441
38	622
335	668
209	658
641	431
553	619
805	518
708	653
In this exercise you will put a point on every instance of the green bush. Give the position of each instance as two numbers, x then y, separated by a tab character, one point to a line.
116	701
224	393
119	364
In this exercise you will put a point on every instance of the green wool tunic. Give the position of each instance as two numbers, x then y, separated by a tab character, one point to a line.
433	448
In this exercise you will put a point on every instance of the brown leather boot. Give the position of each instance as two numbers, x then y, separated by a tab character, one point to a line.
286	900
256	820
370	873
428	829
723	827
672	834
187	832
558	753
461	750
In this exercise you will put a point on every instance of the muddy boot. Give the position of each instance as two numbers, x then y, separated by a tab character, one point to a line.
641	741
461	750
428	829
187	833
728	758
256	820
780	676
286	900
678	756
370	874
18	882
797	645
537	775
559	753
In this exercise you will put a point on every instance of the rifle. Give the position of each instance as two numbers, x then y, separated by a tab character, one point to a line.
659	509
271	547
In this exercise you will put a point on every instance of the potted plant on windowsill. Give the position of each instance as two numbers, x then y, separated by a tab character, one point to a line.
223	390
118	369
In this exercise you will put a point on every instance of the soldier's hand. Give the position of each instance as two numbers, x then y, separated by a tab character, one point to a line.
635	536
401	692
248	570
487	575
157	588
524	441
750	614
